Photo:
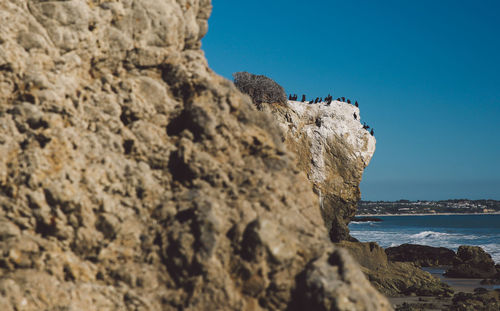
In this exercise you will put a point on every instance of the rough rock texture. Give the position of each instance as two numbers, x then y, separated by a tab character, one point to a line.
134	178
472	262
333	149
394	278
422	255
480	300
423	306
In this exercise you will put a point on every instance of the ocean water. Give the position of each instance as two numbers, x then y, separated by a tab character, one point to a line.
449	231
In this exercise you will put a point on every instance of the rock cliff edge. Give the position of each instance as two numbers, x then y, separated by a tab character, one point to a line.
134	178
333	149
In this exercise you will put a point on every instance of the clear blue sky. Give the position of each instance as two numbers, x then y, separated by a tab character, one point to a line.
426	75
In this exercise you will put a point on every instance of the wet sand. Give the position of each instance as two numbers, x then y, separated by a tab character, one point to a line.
459	284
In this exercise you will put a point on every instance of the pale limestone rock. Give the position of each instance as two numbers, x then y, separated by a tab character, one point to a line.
335	121
333	149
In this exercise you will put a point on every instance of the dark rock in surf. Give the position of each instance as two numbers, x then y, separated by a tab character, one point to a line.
472	262
421	255
362	219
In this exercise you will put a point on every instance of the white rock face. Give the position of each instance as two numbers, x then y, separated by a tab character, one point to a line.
333	149
322	123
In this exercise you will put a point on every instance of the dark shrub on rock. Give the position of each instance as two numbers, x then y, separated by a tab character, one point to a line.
260	88
472	262
422	255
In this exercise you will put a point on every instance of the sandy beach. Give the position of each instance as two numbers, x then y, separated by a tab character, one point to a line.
459	284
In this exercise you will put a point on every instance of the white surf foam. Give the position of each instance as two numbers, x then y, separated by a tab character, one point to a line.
429	235
431	238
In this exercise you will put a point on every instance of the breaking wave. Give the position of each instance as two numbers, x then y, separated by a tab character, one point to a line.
416	230
429	234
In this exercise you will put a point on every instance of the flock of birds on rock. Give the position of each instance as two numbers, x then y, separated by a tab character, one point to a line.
328	100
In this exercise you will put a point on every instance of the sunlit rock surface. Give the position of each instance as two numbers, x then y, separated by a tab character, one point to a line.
333	149
134	178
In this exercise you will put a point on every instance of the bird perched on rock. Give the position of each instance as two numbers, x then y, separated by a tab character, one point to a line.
355	116
371	132
356	104
316	100
311	102
343	99
320	100
348	101
303	97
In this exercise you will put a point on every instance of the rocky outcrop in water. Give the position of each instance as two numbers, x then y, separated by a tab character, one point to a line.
421	255
394	278
333	149
134	178
472	262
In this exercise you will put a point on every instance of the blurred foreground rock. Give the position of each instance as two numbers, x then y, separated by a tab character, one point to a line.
134	178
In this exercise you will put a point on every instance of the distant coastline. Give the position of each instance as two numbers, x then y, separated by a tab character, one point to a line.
427	214
448	230
443	207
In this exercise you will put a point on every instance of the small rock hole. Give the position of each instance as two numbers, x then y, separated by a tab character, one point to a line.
128	145
42	140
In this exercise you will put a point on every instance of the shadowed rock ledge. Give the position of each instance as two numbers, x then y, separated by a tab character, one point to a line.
134	178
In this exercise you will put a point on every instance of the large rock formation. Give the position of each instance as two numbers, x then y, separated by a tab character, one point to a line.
134	178
333	148
324	138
